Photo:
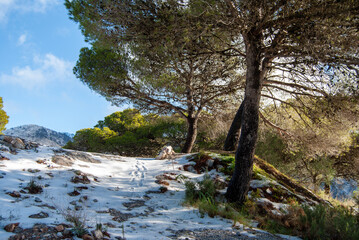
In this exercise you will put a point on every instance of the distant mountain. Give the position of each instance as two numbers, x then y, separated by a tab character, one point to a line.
40	135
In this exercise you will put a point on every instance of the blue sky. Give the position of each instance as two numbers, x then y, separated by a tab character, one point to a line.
39	45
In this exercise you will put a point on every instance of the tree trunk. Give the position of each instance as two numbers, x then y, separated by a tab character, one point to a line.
239	184
191	134
233	134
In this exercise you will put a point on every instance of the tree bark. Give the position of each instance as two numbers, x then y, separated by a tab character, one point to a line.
239	183
233	134
191	134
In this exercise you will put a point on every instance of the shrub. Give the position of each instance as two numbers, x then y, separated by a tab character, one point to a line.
128	132
120	122
323	222
202	190
4	118
78	219
33	187
91	139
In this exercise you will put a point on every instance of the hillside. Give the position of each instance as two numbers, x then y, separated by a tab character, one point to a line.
129	197
40	135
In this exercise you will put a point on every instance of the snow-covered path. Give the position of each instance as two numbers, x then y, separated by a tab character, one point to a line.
121	193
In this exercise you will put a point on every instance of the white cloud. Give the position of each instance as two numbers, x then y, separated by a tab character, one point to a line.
8	6
22	39
45	69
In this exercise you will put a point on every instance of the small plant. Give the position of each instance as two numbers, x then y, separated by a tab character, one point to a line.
203	194
123	231
202	190
255	194
101	227
33	187
78	219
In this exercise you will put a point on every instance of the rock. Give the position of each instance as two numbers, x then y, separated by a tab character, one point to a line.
41	161
47	206
163	189
38	200
210	163
11	227
107	235
18	143
14	194
74	193
30	170
80	188
2	158
165	176
162	182
165	153
87	237
134	204
78	208
80	179
60	228
98	234
67	233
39	215
110	225
118	216
82	157
62	160
83	199
15	142
189	168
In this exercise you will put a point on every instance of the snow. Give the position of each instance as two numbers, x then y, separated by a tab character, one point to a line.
119	180
40	134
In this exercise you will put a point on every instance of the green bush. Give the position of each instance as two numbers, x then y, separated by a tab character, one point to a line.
323	222
4	119
199	191
91	139
130	133
120	122
273	148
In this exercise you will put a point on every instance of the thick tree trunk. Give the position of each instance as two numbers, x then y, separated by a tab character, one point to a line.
233	134
191	134
239	184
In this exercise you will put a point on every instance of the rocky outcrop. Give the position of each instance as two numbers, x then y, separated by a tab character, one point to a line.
40	135
166	153
14	143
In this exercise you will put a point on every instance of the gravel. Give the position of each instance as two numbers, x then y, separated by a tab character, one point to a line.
212	234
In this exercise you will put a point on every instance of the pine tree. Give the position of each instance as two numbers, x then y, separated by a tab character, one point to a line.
4	119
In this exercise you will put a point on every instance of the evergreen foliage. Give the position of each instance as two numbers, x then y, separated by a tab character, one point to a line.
285	49
129	132
136	57
4	118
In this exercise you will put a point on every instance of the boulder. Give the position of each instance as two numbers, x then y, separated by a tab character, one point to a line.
13	142
84	157
11	227
60	228
62	160
14	194
98	234
165	153
18	143
39	215
87	237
